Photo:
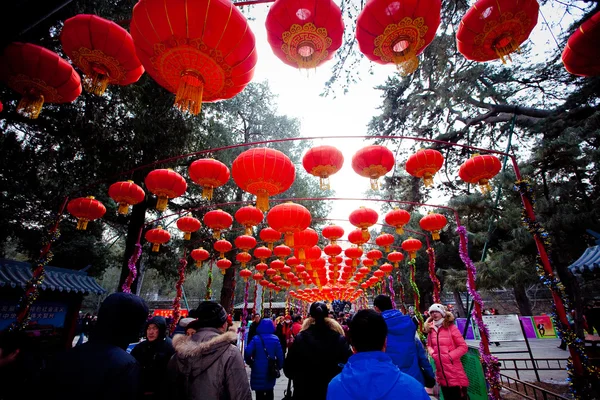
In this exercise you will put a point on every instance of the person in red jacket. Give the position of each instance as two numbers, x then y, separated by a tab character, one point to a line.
446	345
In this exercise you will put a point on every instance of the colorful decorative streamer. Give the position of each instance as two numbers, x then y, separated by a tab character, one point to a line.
131	263
209	282
255	293
391	289
178	287
401	294
432	275
416	296
244	315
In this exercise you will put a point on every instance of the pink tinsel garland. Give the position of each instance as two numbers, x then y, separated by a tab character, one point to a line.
137	252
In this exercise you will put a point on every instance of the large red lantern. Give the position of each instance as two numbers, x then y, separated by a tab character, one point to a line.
85	209
223	264
200	255
304	34
217	220
322	162
249	217
374	255
424	164
332	250
364	218
493	29
395	257
269	236
126	193
289	218
479	169
188	225
411	246
581	56
39	75
245	242
263	172
102	50
304	240
359	237
353	253
433	223
333	233
245	273
398	218
209	174
200	50
157	236
385	240
165	184
243	258
373	162
396	32
262	253
282	251
222	246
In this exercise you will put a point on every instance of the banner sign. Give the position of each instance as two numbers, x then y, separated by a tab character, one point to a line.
166	313
504	328
528	327
42	313
544	327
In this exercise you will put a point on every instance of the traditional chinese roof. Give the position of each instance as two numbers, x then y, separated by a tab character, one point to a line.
17	274
588	263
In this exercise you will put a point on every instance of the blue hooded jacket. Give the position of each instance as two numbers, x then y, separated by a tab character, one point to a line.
371	375
402	347
256	358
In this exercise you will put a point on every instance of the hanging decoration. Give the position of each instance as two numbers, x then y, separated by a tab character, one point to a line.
304	240
200	255
269	236
102	50
354	254
210	174
157	236
364	218
179	293
242	328
262	253
222	246
385	240
304	34
374	255
85	209
492	30
373	162
424	164
263	172
245	242
249	217
432	275
209	283
289	218
126	194
359	237
332	233
391	290
243	258
479	169
433	223
217	220
188	225
322	162
411	246
401	294
165	184
398	219
397	32
39	76
131	263
416	296
581	55
202	51
395	257
282	251
223	264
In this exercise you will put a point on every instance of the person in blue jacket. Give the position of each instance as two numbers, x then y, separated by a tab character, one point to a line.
263	343
403	346
370	374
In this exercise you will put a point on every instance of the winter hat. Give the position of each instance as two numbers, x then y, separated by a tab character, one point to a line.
318	310
210	315
439	308
184	322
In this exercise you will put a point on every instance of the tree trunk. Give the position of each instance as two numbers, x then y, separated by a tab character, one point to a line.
522	299
136	225
459	304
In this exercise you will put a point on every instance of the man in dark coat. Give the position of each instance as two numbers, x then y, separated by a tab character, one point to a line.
253	326
154	355
101	369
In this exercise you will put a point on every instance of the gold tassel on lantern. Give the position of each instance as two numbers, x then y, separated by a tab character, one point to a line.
161	202
96	82
82	224
289	239
199	263
30	105
435	235
505	45
374	183
123	208
217	234
155	247
249	231
262	200
484	186
207	192
187	235
400	230
427	179
189	92
222	272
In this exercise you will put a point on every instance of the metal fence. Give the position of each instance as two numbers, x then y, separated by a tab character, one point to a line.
527	390
525	364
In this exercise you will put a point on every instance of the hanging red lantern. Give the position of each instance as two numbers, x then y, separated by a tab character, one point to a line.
209	174
263	172
202	51
304	34
395	257
39	75
385	240
126	193
249	217
157	236
433	223
492	30
262	253
282	251
303	240
223	264
581	55
165	184
245	242
374	255
243	258
261	267
332	250
322	162
424	164
479	169
289	218
335	260
292	261
222	246
217	220
270	236
257	276
85	209
332	233
397	218
397	32
386	268
364	218
373	162
379	274
246	274
278	265
411	246
200	255
312	254
270	272
102	50
354	253
367	262
358	238
188	225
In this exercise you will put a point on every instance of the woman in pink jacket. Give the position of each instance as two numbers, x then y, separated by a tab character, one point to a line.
446	345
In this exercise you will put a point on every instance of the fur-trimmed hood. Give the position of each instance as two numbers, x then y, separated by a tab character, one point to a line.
448	320
331	324
195	354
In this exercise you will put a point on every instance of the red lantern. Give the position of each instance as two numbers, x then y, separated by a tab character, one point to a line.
261	267
257	276
492	30
202	51
373	162
374	255
165	184
157	236
270	236
188	224
335	260
424	164
332	250
263	172
282	251
262	253
209	174
222	246
385	240
367	262
85	209
379	274
322	162
245	242
333	233
200	255
243	258
102	50
223	264
581	56
270	272
411	246
364	218
289	218
217	220
245	273
303	240
304	34
39	75
395	257
479	169
358	238
278	265
312	254
397	218
386	268
249	217
354	253
433	223
126	194
397	32
292	261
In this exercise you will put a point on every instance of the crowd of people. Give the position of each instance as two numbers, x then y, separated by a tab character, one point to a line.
372	354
